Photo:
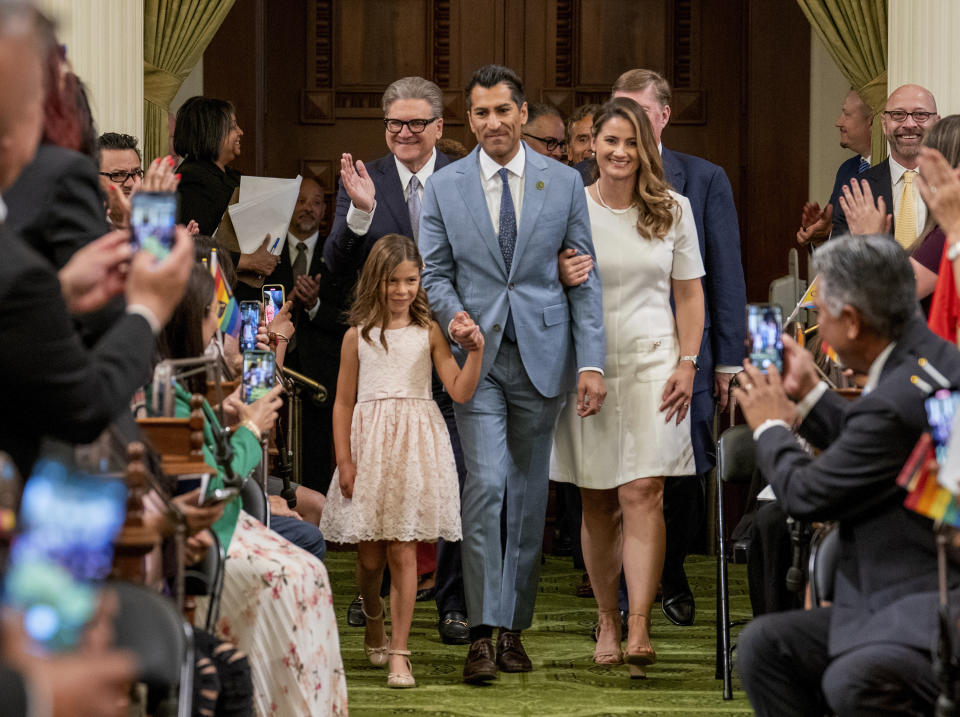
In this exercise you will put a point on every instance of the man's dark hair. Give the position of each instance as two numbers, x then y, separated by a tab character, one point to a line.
541	109
588	110
118	140
202	123
491	75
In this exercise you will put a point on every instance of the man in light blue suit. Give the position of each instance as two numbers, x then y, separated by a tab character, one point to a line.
491	228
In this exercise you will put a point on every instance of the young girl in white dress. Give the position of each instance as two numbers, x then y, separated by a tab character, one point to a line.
396	480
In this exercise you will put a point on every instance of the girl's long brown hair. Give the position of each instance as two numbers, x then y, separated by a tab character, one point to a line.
651	193
369	307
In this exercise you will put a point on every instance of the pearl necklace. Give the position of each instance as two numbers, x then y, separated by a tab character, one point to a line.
607	206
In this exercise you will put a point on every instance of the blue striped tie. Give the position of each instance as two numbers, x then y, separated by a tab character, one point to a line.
864	166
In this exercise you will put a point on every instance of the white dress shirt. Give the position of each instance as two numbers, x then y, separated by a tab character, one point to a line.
311	242
896	181
359	221
493	185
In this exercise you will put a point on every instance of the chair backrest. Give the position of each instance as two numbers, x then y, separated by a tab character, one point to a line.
150	625
254	500
202	578
736	455
824	556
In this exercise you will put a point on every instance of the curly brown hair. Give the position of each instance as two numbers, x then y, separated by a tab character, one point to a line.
369	307
651	193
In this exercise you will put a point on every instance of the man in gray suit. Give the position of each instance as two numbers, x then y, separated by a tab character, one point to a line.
490	231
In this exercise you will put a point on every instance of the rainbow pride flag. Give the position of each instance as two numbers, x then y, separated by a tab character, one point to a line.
828	350
230	321
809	300
924	494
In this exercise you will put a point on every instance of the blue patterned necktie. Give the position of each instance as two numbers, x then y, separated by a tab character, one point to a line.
864	166
508	222
413	205
508	241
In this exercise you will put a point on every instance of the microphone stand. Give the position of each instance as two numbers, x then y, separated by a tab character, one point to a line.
945	666
221	434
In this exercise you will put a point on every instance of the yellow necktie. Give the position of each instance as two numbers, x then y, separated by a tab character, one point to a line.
905	230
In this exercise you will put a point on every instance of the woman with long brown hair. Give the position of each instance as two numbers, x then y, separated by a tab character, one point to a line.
647	247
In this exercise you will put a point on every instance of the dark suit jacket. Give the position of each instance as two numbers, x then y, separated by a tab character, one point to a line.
14	691
317	350
847	171
886	579
878	177
344	251
205	192
56	204
51	384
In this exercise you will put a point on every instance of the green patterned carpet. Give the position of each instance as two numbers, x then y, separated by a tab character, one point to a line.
564	680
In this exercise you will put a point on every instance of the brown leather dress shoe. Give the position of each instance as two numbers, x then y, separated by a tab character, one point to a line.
511	657
480	666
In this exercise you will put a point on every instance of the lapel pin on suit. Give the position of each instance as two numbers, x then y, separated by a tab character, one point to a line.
540	185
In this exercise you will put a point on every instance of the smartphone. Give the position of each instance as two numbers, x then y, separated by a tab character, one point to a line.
273	298
249	323
259	374
941	409
63	549
191	481
764	326
153	216
219	495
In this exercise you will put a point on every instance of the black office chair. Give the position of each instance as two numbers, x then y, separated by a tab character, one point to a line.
206	579
824	556
254	500
150	625
736	463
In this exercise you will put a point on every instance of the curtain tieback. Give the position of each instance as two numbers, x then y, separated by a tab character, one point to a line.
160	86
874	93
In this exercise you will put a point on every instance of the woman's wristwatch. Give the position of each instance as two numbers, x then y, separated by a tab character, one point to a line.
692	358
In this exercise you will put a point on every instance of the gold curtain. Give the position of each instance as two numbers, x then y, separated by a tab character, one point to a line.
855	34
175	34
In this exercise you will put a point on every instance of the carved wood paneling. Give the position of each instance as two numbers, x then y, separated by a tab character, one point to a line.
320	44
441	42
616	35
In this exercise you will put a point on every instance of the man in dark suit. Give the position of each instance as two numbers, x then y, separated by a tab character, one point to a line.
910	111
320	299
708	189
869	653
385	198
855	124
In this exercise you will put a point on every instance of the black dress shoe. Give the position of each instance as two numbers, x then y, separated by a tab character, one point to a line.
453	628
355	616
511	657
426	594
480	667
679	608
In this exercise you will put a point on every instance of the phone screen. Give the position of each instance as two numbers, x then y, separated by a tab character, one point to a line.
153	216
941	409
249	323
272	301
259	374
63	548
764	324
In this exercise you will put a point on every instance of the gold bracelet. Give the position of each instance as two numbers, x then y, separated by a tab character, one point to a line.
252	427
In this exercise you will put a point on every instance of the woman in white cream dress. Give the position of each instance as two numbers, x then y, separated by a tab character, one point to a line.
647	247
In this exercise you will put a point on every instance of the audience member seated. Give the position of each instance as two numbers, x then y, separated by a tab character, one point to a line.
870	652
269	582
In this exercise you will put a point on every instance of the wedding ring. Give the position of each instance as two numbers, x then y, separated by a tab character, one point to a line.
748	387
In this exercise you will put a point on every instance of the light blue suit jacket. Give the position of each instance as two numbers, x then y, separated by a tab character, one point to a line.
558	330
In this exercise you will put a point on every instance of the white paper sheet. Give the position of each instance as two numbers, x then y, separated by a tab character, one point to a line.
265	208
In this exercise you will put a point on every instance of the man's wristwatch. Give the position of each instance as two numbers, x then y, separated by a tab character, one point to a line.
692	358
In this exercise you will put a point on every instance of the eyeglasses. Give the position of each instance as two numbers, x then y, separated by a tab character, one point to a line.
120	176
551	142
395	126
901	116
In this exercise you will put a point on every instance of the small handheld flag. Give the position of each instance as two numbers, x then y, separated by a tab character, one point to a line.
230	318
